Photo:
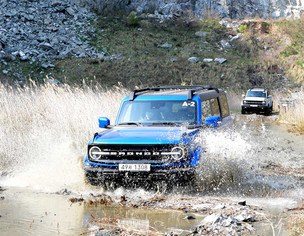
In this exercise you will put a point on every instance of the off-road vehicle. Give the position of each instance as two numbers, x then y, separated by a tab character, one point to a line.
154	136
257	100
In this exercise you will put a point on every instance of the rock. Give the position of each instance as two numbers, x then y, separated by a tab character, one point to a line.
165	45
40	30
207	60
202	206
225	44
235	37
189	218
3	3
242	203
211	219
56	3
24	58
139	10
245	217
193	59
219	207
230	221
46	46
220	60
10	50
55	82
230	25
167	9
200	34
70	11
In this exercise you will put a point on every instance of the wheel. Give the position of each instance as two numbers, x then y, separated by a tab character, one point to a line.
163	187
268	111
243	111
98	181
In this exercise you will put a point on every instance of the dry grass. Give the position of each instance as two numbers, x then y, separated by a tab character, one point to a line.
35	117
294	115
296	224
295	221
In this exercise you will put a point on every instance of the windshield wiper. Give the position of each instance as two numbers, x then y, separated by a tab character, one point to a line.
130	123
164	123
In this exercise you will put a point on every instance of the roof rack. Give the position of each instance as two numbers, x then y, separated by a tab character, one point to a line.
259	87
192	89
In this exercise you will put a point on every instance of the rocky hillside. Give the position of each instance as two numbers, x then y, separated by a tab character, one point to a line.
63	41
225	9
36	31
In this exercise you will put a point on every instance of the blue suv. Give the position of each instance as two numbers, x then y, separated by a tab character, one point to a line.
154	135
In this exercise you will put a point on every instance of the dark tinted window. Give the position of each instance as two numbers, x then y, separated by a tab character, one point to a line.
215	107
206	110
224	105
158	111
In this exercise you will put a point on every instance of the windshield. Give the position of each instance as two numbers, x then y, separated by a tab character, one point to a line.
158	112
256	94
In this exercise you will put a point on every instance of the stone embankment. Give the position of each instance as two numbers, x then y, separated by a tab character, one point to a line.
41	30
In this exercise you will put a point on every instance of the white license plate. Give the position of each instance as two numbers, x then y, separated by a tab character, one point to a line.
134	167
254	105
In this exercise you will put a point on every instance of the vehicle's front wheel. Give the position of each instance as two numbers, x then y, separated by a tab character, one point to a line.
268	111
243	111
95	180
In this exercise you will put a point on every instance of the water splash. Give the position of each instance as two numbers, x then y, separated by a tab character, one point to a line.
44	132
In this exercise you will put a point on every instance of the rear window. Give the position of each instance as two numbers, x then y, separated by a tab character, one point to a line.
224	105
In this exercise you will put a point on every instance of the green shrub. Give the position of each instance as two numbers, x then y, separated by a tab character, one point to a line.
242	28
132	20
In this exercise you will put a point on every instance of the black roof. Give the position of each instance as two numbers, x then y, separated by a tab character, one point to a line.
185	90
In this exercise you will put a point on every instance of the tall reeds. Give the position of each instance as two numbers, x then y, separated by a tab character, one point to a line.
35	117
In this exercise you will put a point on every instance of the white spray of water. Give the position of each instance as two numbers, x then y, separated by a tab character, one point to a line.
44	133
225	158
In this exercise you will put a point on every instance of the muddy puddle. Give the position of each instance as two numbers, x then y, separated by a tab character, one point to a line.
260	164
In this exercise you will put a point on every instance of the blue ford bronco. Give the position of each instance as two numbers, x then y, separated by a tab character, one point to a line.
153	138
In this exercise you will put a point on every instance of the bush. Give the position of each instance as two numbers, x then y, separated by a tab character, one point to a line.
132	20
242	28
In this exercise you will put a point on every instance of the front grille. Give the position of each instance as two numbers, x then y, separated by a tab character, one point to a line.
254	102
155	154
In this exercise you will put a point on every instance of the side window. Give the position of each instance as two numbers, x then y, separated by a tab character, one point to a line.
206	109
215	107
224	105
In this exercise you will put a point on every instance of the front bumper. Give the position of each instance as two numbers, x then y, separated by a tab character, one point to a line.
254	107
167	174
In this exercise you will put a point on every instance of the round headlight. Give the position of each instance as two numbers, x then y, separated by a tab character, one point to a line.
244	102
264	102
177	153
95	153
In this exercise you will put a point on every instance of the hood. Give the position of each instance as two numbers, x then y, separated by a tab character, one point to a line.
141	135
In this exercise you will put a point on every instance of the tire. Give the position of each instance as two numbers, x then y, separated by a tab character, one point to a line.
163	187
267	112
243	111
94	180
